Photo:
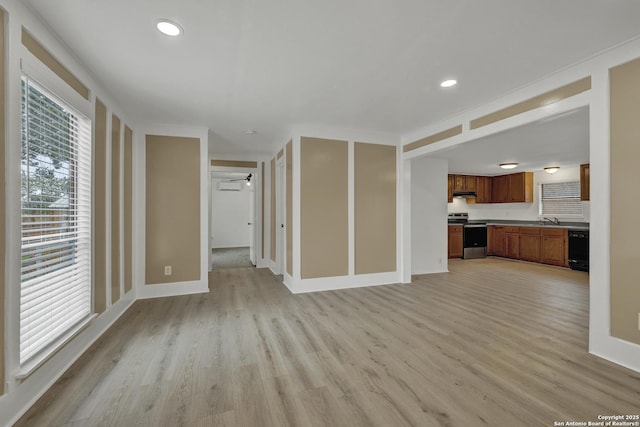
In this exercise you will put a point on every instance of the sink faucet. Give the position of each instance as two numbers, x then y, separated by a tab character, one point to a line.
552	221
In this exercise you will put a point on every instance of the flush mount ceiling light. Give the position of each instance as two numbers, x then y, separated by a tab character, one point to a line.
508	165
552	169
168	27
251	132
449	83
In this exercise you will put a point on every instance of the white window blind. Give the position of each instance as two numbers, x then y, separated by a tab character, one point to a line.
561	198
55	288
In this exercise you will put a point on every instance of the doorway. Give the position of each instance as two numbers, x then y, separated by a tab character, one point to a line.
280	216
232	219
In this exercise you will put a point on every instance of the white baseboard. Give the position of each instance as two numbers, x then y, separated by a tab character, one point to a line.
288	282
618	351
340	282
161	290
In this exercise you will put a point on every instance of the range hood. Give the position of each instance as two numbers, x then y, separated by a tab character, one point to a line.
465	194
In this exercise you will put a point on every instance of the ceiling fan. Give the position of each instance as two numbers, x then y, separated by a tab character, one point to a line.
248	179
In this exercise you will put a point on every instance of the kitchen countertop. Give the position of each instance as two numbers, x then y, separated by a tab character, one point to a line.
514	223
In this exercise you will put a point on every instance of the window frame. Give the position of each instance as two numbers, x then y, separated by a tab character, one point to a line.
51	86
559	215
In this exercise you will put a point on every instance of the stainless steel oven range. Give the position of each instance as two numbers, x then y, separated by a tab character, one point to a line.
474	235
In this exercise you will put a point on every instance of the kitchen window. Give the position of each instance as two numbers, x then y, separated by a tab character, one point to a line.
55	271
560	199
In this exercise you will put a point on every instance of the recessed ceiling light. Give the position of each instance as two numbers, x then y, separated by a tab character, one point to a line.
168	28
552	169
251	132
508	165
449	83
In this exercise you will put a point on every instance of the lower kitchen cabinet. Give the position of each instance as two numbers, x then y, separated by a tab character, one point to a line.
553	246
535	244
512	242
530	244
495	240
455	241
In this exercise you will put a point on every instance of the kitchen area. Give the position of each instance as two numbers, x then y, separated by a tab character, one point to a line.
534	216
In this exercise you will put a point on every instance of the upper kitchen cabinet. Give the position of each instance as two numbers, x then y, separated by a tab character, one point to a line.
483	189
462	182
513	188
470	183
499	189
521	187
584	182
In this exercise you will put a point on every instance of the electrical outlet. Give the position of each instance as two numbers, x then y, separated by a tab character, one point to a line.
167	270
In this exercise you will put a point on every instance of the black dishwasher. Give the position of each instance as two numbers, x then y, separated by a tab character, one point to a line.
579	250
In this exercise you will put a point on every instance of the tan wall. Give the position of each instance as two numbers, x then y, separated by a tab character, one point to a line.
375	208
115	208
272	251
172	208
289	207
625	153
100	208
128	209
324	223
2	196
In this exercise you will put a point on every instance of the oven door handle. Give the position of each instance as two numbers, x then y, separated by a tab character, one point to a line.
475	226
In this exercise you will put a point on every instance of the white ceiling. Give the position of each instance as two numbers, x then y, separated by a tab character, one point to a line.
562	140
375	65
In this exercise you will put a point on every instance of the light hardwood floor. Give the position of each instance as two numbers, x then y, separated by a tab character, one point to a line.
492	343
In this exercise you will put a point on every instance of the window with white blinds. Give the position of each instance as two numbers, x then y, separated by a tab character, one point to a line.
55	286
561	199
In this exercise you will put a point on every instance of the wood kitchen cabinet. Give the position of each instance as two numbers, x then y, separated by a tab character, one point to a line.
513	188
553	246
470	181
530	244
520	187
584	182
512	242
535	244
495	240
455	241
463	182
483	189
499	189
